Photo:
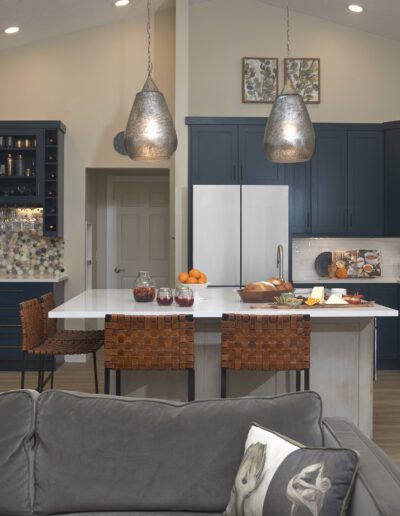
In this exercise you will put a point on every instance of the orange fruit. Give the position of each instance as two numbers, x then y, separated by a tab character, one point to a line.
341	273
203	278
192	280
195	273
183	277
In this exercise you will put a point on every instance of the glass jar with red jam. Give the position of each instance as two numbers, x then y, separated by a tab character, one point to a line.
184	296
144	290
165	297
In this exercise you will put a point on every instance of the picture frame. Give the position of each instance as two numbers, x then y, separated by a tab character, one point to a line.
259	79
305	73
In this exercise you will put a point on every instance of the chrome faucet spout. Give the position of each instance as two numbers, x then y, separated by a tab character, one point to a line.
279	261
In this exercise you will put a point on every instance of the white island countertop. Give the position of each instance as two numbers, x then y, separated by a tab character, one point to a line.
95	304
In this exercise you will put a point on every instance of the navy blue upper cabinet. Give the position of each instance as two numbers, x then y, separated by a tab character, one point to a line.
298	178
254	167
214	154
365	183
329	182
392	179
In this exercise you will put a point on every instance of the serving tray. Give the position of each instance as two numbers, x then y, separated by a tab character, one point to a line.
363	304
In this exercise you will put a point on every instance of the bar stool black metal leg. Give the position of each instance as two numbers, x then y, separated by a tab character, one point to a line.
191	384
41	372
306	379
223	382
118	382
53	368
96	379
298	381
106	381
23	370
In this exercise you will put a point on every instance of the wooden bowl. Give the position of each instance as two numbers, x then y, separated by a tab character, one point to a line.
260	296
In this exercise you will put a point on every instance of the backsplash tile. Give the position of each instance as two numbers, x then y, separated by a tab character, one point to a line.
305	250
24	251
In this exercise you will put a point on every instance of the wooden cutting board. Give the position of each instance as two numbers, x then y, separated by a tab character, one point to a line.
366	304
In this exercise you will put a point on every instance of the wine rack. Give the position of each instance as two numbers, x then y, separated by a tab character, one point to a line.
32	168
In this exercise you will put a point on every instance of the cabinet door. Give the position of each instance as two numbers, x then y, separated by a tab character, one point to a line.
298	178
329	183
255	168
388	337
214	154
392	182
365	182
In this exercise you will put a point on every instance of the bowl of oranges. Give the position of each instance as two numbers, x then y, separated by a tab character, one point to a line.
195	279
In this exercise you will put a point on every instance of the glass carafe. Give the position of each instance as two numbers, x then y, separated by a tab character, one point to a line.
144	290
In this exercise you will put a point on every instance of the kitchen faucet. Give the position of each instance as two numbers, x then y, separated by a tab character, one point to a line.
279	261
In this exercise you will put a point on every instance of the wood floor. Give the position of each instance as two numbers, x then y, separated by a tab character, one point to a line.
79	377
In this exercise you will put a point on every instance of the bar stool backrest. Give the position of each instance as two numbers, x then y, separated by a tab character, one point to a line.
265	343
32	324
149	343
50	325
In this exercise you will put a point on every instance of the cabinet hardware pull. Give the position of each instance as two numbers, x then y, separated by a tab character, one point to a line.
10	326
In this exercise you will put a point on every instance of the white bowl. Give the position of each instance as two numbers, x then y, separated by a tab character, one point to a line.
196	287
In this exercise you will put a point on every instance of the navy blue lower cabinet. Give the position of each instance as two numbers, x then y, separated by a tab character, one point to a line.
11	294
388	327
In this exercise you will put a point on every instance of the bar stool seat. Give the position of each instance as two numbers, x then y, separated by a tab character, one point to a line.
265	343
149	343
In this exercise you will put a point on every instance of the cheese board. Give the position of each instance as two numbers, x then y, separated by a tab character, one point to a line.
363	304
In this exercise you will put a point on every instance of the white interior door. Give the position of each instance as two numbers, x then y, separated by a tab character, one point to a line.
138	230
265	225
216	232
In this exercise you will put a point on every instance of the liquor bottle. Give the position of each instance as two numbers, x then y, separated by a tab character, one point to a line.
10	165
19	165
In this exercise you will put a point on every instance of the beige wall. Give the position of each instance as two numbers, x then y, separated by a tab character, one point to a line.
359	71
88	80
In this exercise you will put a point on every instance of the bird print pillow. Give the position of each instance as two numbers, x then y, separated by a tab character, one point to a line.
278	477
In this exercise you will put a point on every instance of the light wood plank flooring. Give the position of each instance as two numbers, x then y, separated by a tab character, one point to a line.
79	377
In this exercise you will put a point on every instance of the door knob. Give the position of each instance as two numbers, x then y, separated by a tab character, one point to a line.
117	270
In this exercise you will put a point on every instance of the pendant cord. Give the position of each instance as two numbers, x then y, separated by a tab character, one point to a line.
149	63
287	31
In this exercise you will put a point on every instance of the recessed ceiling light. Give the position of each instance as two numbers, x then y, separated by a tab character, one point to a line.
11	30
355	8
121	3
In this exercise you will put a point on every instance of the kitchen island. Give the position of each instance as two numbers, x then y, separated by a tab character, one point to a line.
342	351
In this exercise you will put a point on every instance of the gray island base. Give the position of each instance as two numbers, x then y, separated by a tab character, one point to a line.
342	352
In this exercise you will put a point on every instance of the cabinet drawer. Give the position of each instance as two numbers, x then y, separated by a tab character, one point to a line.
11	294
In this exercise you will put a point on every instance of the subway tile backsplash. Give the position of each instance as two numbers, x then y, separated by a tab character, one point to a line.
305	250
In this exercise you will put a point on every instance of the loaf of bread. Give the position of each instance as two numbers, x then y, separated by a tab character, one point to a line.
260	286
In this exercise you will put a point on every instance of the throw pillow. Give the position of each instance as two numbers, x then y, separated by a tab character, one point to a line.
279	477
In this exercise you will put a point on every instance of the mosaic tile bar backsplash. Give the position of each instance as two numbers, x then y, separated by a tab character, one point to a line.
24	251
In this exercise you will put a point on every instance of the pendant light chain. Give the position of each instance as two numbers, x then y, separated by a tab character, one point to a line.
149	63
287	31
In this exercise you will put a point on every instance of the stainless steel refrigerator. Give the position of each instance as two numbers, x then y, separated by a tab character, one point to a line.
237	230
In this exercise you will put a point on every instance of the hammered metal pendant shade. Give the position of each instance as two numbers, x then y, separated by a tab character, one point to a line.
150	133
289	135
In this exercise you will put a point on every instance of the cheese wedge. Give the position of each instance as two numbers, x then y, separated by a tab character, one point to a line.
335	300
318	293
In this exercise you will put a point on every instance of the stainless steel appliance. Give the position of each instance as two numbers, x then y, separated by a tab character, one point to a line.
237	231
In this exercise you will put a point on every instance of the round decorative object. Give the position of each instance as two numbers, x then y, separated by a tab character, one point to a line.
322	263
119	144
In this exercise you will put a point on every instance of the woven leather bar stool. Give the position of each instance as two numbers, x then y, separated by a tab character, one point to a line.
35	342
148	344
265	343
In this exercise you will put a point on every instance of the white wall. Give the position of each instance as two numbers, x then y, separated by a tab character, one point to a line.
88	80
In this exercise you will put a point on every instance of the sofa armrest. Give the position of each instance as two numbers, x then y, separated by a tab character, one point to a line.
377	488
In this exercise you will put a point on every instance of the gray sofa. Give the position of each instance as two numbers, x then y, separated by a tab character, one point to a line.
89	455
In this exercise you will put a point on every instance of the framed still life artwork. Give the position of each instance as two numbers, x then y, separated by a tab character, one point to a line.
306	77
259	79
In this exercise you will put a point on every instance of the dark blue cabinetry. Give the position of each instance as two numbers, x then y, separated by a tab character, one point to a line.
392	178
11	294
298	178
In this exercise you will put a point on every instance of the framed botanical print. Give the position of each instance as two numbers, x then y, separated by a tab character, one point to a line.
259	79
305	73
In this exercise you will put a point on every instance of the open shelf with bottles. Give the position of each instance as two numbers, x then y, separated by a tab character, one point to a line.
31	169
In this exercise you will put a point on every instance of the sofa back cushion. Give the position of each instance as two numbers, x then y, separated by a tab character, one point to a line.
102	453
17	420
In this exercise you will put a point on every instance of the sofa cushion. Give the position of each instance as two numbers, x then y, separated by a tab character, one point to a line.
17	419
104	453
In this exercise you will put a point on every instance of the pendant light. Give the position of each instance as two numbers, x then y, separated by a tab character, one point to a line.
289	135
150	133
